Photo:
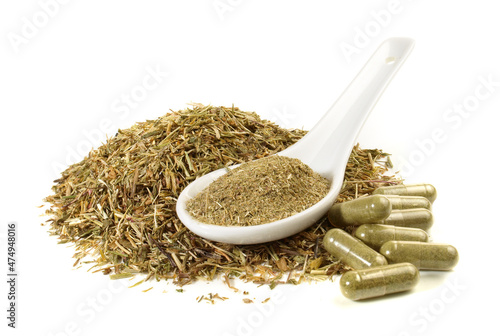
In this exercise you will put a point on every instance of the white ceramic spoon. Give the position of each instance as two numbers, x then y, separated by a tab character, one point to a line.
326	149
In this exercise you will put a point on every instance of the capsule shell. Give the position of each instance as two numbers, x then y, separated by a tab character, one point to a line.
425	190
427	256
379	281
351	251
375	235
408	202
360	211
415	218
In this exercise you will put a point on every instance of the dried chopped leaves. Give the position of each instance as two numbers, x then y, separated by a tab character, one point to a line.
117	206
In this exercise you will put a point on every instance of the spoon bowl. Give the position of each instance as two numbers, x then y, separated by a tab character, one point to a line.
326	149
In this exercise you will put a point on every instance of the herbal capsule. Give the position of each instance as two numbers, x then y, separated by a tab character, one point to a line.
379	281
415	218
429	256
351	251
375	235
408	202
360	211
425	190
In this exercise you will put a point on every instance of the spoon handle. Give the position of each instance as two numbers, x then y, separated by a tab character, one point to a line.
326	148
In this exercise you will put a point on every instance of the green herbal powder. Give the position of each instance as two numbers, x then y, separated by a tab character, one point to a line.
259	192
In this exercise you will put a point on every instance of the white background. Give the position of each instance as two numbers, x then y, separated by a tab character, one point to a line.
61	87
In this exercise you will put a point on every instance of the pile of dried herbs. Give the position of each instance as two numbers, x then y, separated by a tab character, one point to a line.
117	206
259	192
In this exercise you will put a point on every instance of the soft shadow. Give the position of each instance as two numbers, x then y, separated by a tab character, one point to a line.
432	279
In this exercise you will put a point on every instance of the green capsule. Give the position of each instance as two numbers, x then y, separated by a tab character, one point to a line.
428	256
379	281
375	235
360	211
415	218
425	190
351	251
408	202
